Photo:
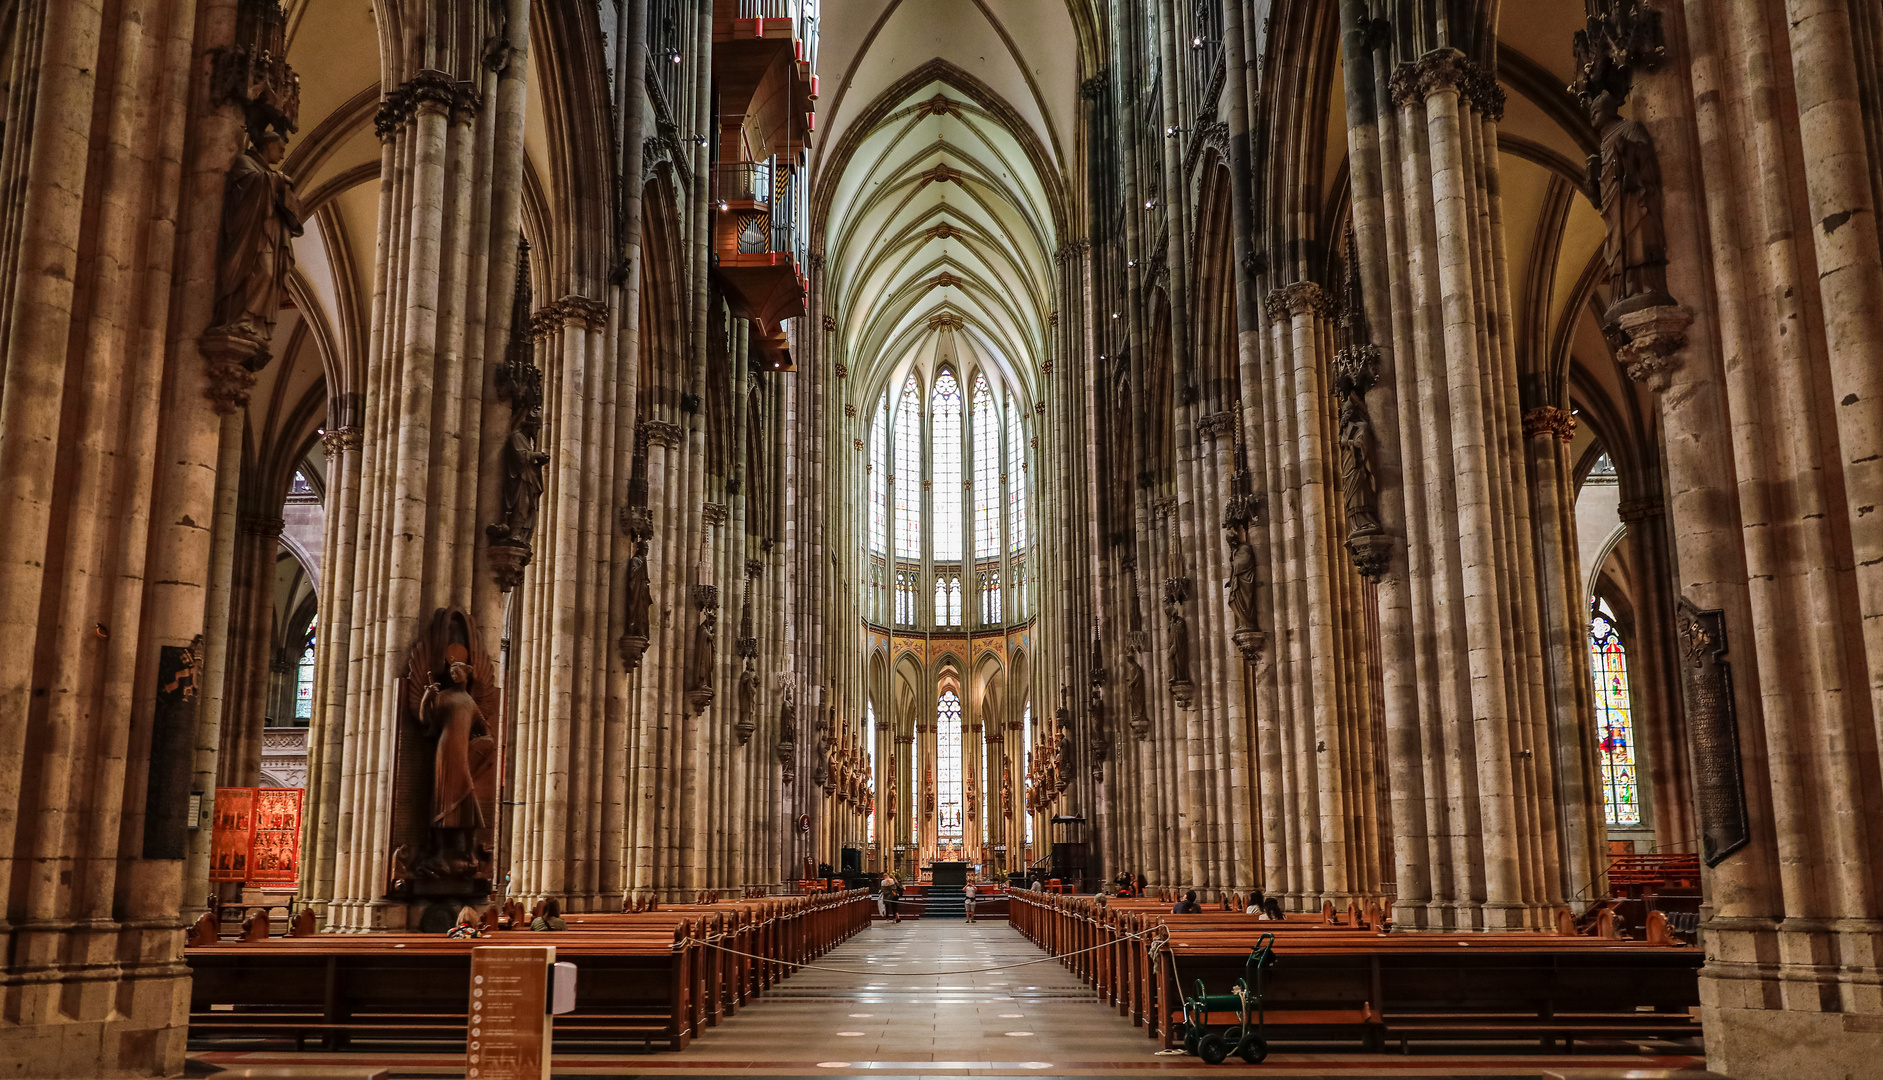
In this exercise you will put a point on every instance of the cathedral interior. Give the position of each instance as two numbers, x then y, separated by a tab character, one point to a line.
1410	458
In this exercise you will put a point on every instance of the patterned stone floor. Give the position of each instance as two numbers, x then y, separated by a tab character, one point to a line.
904	1001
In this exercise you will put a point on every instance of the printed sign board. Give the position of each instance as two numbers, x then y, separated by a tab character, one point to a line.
508	1035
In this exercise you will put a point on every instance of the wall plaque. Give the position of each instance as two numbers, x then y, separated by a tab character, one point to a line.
1719	787
508	1034
170	808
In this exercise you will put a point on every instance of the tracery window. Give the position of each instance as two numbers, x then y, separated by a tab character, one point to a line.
948	768
947	600
908	476
1614	718
986	472
947	501
945	449
304	676
879	473
905	597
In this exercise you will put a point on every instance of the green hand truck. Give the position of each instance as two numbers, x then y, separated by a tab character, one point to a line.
1243	1037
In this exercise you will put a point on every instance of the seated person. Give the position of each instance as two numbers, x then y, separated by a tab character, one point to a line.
1255	903
1187	906
1271	910
551	918
467	925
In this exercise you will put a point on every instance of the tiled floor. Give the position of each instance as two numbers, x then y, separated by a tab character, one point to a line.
924	999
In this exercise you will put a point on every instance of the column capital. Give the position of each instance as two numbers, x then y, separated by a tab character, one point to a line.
339	440
1549	420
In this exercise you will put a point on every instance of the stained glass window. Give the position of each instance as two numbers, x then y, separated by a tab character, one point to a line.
946	453
907	484
304	676
948	767
879	474
948	600
990	595
1016	482
941	601
1614	719
986	471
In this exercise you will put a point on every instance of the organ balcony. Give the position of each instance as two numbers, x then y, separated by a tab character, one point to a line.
759	248
765	64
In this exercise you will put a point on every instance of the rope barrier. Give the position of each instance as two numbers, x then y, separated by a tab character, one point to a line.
915	974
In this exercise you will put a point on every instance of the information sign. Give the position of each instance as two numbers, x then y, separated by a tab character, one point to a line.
508	1038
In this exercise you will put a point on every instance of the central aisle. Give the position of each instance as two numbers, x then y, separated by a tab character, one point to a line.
916	1015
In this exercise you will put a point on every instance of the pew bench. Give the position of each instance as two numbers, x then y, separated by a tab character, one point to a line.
633	987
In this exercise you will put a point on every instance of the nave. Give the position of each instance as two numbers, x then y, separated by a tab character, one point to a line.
943	998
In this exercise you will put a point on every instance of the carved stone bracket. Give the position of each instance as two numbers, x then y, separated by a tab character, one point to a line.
633	647
507	562
1651	342
232	360
1371	552
1712	731
1183	691
1253	644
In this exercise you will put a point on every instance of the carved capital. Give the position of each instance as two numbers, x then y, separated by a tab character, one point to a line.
659	432
1164	507
1305	298
1651	342
1637	511
714	514
1442	70
1548	420
339	440
840	371
755	568
263	525
1216	426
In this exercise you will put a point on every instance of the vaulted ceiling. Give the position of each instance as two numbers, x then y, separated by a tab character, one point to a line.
939	179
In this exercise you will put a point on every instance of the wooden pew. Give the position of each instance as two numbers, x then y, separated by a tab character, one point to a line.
635	986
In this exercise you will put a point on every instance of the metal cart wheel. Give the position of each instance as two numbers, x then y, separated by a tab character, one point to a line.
1190	1038
1212	1049
1253	1049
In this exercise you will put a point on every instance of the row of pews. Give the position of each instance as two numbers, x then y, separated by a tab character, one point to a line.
643	977
1349	978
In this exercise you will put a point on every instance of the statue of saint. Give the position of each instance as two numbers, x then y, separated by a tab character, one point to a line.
788	718
261	216
748	690
451	694
1179	643
702	673
1241	583
1627	174
1359	491
522	477
1134	691
640	591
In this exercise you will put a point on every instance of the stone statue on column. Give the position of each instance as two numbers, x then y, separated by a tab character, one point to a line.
1137	714
748	703
1182	686
1359	488
261	216
700	674
1627	175
522	477
639	604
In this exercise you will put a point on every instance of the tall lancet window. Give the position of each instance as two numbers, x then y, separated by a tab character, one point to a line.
908	482
1614	719
990	595
946	418
304	674
948	768
879	474
948	600
1016	482
905	597
986	471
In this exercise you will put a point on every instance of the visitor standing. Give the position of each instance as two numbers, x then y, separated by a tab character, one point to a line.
968	900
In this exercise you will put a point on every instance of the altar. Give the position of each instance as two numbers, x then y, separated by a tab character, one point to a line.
948	873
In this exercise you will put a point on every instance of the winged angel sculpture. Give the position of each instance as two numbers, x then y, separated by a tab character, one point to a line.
451	694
